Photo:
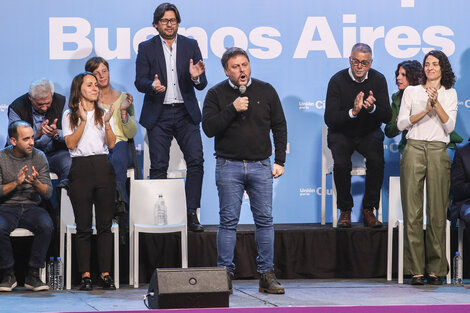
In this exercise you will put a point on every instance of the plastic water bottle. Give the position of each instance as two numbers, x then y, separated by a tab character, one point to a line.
458	265
160	211
50	273
59	275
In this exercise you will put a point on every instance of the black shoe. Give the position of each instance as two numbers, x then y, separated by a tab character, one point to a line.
417	280
85	284
108	283
230	277
193	223
434	280
268	283
33	282
9	280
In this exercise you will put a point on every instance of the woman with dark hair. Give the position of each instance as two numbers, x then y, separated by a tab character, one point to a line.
428	112
122	121
408	73
88	135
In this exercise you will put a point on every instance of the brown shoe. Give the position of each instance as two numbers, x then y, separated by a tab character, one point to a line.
268	283
369	218
345	219
230	277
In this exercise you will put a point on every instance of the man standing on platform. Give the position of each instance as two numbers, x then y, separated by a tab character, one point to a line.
241	112
357	104
168	68
42	108
24	179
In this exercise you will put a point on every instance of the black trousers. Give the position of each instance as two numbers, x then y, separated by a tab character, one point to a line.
371	147
176	122
93	181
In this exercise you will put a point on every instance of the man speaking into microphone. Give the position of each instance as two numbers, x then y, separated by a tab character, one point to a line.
240	113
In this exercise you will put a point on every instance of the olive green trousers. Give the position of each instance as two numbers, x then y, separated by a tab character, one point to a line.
425	160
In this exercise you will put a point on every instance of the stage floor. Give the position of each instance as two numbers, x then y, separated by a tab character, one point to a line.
307	292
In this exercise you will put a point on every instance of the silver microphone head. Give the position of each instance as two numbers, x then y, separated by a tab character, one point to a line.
242	89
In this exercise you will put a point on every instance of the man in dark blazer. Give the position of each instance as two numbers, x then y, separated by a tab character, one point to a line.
168	68
460	186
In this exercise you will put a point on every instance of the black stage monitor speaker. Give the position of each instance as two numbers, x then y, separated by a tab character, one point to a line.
197	287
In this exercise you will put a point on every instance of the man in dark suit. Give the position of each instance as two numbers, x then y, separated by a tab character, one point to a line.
460	186
168	68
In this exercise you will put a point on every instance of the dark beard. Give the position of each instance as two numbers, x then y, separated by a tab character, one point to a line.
164	36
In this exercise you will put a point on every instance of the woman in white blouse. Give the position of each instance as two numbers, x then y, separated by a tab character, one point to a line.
88	136
428	112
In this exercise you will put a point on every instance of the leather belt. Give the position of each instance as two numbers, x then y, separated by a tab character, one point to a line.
173	105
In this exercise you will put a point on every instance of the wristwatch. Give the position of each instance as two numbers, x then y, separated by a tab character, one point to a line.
56	137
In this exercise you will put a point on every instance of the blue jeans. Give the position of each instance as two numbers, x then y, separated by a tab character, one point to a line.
121	158
232	179
31	217
59	163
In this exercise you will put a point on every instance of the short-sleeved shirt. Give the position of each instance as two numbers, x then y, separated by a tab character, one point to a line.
93	140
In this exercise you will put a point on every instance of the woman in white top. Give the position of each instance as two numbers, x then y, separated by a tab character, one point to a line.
88	136
428	112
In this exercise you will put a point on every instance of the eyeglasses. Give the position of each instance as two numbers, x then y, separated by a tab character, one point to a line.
166	21
357	62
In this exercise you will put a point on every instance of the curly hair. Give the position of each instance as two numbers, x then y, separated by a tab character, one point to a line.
447	75
75	95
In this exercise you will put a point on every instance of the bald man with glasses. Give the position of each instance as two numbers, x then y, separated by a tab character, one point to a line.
357	103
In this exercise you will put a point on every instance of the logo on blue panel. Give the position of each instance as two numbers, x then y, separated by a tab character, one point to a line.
316	105
393	147
313	191
465	103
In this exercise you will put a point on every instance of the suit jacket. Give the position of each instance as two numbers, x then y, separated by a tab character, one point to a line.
460	181
150	61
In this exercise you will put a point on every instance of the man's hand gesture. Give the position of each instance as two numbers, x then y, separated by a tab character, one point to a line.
157	85
358	103
21	175
369	102
196	69
33	178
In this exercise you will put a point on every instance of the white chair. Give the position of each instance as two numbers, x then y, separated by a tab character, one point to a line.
130	173
358	169
22	232
395	219
68	227
176	166
143	196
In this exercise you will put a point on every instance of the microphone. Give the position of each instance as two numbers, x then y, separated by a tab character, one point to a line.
242	90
